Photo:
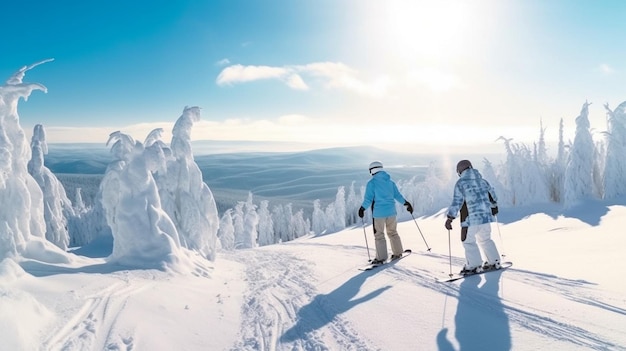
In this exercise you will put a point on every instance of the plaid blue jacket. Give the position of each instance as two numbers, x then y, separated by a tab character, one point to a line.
478	195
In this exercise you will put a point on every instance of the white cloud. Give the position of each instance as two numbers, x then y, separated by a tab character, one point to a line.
239	74
294	81
337	75
333	75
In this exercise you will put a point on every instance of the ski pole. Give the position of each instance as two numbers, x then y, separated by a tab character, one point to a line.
418	228
499	234
366	245
450	251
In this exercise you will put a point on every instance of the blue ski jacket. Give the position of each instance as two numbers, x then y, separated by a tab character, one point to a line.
382	192
478	196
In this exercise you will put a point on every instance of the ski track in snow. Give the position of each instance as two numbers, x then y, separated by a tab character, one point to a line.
541	322
275	312
92	327
274	315
578	291
283	309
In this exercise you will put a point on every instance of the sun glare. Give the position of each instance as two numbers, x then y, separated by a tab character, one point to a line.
434	30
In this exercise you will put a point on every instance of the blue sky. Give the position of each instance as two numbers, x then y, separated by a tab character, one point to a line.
338	72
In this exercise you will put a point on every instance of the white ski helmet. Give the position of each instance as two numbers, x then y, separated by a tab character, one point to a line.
375	167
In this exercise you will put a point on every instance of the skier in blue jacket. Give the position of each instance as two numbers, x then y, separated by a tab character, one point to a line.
476	201
382	193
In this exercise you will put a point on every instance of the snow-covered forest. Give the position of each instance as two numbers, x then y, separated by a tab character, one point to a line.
153	203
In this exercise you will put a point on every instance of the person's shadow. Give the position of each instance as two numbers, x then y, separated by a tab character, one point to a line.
325	307
481	323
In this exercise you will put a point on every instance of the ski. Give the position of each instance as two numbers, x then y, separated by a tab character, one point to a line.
457	276
371	266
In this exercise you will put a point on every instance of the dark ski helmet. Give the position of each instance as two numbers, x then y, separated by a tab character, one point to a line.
375	167
462	165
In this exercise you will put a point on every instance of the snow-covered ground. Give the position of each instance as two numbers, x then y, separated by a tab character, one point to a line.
160	280
564	292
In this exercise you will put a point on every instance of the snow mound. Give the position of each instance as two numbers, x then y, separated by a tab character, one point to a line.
20	312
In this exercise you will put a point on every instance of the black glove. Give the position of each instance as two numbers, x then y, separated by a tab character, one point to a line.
494	211
361	212
449	223
408	207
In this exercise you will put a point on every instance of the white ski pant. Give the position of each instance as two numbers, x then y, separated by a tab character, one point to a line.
479	239
390	224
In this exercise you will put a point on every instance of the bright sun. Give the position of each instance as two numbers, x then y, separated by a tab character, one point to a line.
433	30
425	42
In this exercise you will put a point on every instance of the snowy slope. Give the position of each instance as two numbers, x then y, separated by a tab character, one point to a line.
563	293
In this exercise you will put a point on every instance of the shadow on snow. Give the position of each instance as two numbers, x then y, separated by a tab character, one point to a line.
42	269
473	330
324	308
589	211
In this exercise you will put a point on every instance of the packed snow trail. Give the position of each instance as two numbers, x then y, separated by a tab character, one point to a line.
295	302
94	325
284	311
488	295
107	307
309	295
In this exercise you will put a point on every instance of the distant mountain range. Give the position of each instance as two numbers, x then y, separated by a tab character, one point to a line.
293	176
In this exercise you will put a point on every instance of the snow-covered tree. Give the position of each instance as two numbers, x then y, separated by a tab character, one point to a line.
542	150
88	223
578	179
250	224
352	205
597	174
238	225
22	224
615	162
340	209
489	174
558	168
561	156
283	226
300	225
429	194
524	179
79	204
187	199
57	206
334	217
318	218
330	214
143	234
266	225
226	232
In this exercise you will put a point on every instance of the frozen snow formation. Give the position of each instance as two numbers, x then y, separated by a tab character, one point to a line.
57	206
35	207
155	201
22	223
143	234
186	198
579	171
615	164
